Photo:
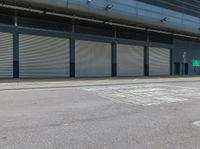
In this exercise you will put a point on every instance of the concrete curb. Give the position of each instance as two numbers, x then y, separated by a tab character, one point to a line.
20	84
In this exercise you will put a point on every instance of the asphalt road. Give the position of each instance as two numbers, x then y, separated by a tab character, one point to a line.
132	116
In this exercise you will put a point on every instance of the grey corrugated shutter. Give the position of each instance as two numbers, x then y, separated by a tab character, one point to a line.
130	60
93	59
159	61
41	56
6	55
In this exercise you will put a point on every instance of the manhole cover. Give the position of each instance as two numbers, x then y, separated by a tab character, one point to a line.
197	123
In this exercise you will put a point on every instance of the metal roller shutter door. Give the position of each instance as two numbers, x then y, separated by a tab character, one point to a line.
159	61
6	55
130	60
43	57
92	59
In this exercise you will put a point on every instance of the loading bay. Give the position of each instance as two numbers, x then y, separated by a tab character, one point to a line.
157	113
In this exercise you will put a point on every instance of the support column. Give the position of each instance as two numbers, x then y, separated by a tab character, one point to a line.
146	61
114	59
146	56
15	54
171	62
72	57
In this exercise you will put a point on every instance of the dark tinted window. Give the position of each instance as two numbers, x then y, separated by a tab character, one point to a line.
134	34
6	16
160	38
94	28
43	21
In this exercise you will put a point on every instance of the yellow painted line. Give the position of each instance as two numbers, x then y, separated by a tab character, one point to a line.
161	78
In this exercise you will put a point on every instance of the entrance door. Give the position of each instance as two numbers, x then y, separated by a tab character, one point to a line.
185	68
177	68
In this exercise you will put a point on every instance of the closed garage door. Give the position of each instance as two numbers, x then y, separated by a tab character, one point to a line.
159	61
130	60
6	55
41	56
93	59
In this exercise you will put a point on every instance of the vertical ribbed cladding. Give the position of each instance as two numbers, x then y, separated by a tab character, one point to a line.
6	55
159	61
43	57
92	59
130	60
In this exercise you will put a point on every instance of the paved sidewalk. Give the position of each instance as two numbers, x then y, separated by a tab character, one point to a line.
13	84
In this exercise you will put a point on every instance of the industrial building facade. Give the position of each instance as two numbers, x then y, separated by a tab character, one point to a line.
38	43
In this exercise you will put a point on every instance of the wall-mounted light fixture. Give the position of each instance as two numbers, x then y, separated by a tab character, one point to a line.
44	11
89	1
109	7
164	19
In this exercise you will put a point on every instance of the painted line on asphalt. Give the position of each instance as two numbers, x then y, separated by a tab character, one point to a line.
196	123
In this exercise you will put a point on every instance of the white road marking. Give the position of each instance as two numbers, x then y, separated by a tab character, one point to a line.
197	123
